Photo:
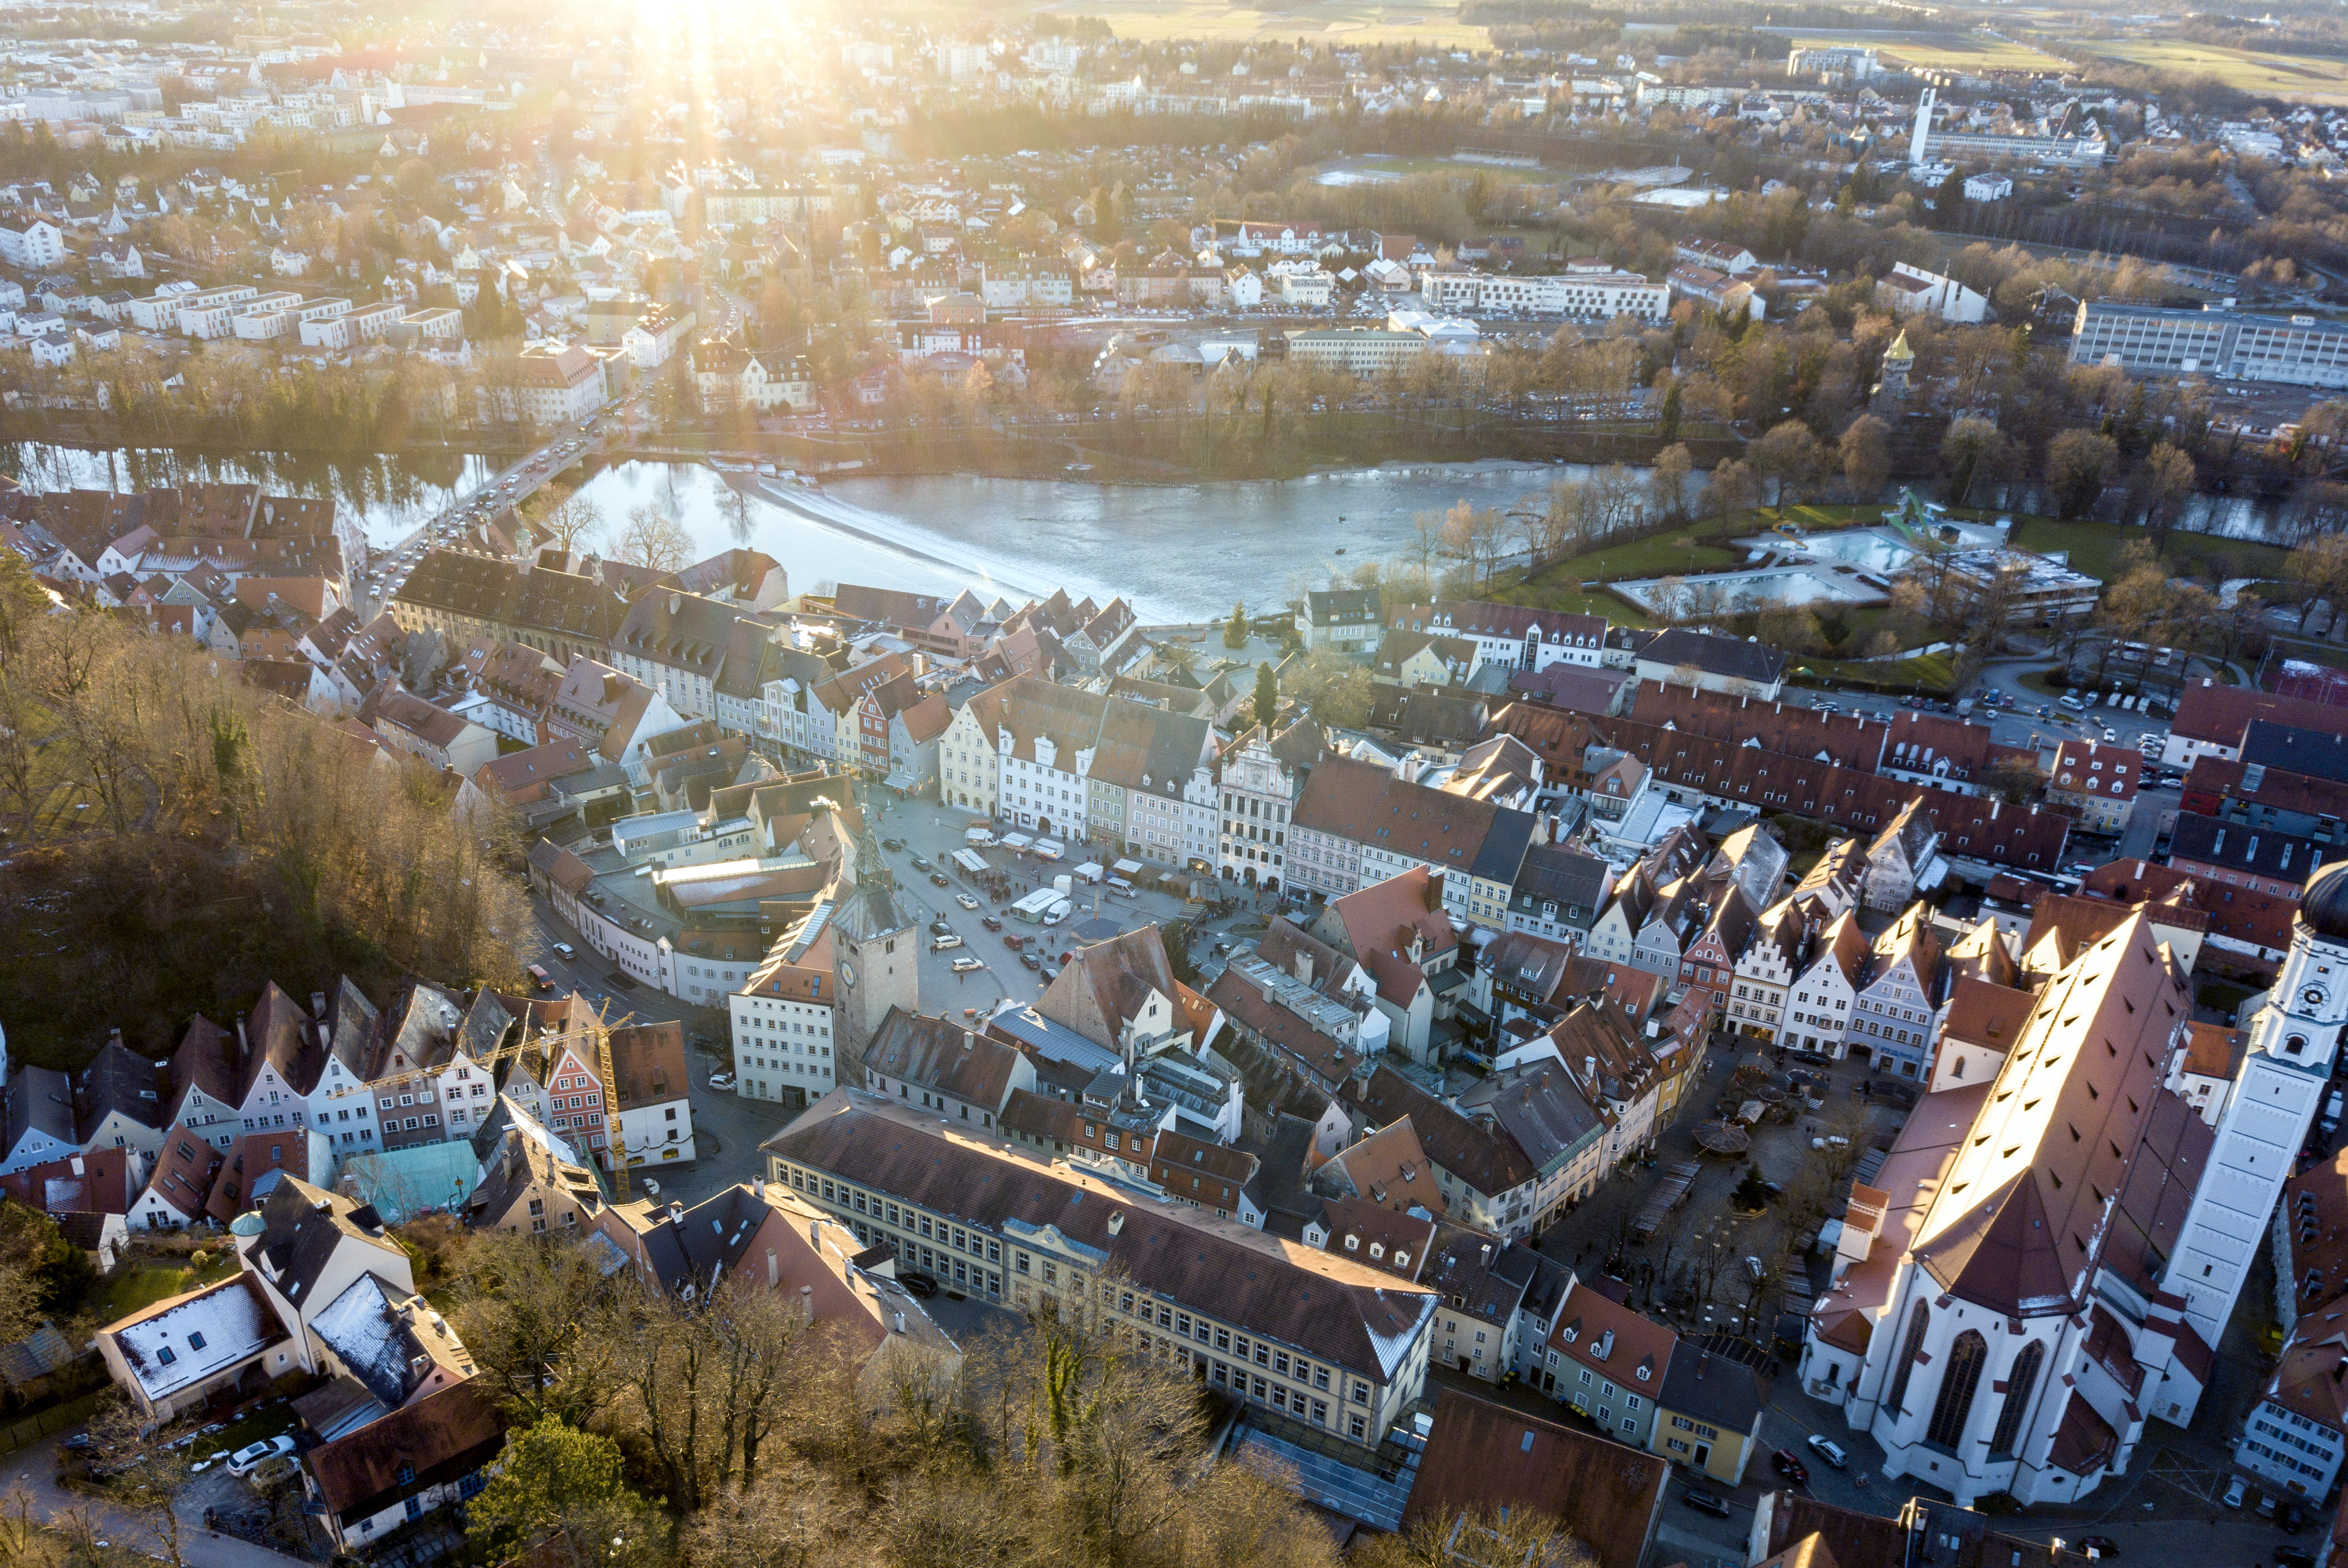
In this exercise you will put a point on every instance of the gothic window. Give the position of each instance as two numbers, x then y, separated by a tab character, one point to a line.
2018	1385
1957	1384
1917	1322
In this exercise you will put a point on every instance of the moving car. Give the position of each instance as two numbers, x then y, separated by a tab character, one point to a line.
941	878
721	1080
1030	960
1706	1502
892	843
651	1186
989	922
920	863
964	900
245	1459
1830	1452
565	949
1792	1469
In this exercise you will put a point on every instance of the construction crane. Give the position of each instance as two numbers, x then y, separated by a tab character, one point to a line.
617	1140
609	1110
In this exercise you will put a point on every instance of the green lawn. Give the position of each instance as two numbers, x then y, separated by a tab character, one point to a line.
1560	587
1929	672
143	1284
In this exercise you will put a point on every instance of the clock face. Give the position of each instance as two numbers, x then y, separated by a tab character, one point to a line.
847	973
2312	995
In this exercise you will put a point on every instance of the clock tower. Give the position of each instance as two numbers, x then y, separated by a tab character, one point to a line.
876	946
2294	1040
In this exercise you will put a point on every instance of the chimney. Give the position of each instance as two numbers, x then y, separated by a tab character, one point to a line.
675	603
243	1046
806	1304
318	1005
1590	1069
675	1213
114	1036
773	1269
1487	1258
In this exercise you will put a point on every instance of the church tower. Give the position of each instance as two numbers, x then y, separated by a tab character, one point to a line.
876	947
2294	1040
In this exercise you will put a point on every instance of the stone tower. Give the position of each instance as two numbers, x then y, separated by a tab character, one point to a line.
876	946
2294	1040
1898	361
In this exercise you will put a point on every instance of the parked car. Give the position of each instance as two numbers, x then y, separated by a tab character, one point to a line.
1792	1469
1012	939
892	843
940	928
2234	1490
1030	960
2101	1545
651	1186
2293	1557
921	1284
1706	1502
967	962
246	1458
940	943
1828	1450
721	1080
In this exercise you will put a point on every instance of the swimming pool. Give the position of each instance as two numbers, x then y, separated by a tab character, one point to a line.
1733	591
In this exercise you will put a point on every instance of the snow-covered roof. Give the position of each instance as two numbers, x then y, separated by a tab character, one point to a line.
184	1339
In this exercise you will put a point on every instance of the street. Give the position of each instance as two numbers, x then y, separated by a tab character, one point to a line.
34	1472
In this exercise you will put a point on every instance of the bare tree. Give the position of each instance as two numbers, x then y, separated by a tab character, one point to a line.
574	524
148	1471
653	539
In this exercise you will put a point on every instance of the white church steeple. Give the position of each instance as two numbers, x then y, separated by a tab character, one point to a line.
2294	1040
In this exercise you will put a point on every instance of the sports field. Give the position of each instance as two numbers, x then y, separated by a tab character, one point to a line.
1933	51
2299	76
1334	22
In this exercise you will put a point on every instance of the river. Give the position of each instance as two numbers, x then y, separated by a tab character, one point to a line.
1177	551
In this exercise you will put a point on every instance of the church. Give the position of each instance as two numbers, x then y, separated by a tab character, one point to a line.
2048	1257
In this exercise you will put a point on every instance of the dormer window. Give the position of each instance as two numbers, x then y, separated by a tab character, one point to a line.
1402	1260
1377	1249
1353	1242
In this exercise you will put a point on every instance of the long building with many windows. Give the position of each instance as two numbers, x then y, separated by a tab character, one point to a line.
1329	1342
2157	340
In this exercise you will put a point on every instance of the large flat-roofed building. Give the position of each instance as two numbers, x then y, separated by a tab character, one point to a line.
1329	1342
2158	340
1356	350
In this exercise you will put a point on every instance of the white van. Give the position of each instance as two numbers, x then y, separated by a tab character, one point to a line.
1057	913
980	838
2069	702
